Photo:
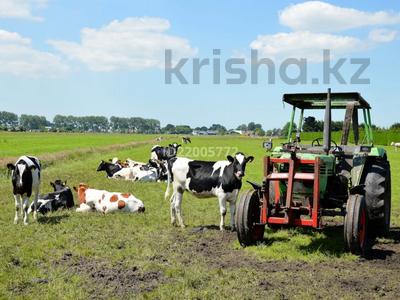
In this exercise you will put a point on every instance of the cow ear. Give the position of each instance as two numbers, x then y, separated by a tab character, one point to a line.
250	158
178	146
11	167
52	184
230	158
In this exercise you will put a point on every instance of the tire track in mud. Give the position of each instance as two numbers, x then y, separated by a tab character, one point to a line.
110	280
375	276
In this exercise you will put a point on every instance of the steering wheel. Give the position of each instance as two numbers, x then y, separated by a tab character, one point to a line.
335	147
317	142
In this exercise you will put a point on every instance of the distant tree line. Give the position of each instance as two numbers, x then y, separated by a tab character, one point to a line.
252	127
310	124
11	121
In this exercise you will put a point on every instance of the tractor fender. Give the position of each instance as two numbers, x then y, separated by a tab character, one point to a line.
255	186
360	168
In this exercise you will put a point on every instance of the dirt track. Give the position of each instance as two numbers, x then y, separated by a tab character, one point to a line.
376	276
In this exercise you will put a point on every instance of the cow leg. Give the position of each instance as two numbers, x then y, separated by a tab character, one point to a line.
172	209
35	201
178	208
232	206
18	205
25	208
222	211
232	202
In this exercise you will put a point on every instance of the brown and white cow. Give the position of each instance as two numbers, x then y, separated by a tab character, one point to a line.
106	202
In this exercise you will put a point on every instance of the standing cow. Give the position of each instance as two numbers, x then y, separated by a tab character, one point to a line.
164	153
186	140
25	180
222	179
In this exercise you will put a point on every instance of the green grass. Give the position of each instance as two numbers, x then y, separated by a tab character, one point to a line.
146	241
36	143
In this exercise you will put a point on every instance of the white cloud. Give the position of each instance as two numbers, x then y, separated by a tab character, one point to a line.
17	57
130	44
382	35
21	9
305	44
12	37
317	16
314	25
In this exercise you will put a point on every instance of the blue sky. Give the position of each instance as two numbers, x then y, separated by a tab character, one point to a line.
50	64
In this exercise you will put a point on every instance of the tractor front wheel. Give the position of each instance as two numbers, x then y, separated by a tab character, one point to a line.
378	197
247	215
356	225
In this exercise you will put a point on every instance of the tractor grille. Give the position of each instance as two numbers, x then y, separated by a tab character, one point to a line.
284	168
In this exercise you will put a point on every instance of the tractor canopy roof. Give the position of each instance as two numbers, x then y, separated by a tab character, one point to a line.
318	100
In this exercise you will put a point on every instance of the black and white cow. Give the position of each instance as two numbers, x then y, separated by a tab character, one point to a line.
25	180
62	197
222	179
164	153
134	171
109	167
186	140
162	171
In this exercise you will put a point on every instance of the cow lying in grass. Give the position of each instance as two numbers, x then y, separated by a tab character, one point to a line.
25	174
151	171
106	202
396	145
61	198
221	179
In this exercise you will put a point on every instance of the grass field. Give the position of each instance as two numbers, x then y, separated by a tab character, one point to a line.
73	256
13	144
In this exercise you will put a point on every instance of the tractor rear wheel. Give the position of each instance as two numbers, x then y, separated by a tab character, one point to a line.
356	225
378	197
247	214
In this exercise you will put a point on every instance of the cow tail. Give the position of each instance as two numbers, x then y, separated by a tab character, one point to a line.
168	184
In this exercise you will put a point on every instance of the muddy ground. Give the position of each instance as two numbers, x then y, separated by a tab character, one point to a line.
377	275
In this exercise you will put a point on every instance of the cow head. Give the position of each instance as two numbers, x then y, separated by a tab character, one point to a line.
20	173
175	146
172	150
81	190
137	205
239	164
102	166
58	185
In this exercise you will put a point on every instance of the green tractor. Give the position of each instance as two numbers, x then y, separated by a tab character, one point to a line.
303	183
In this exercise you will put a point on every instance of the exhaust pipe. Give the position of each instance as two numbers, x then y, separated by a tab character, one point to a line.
327	123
